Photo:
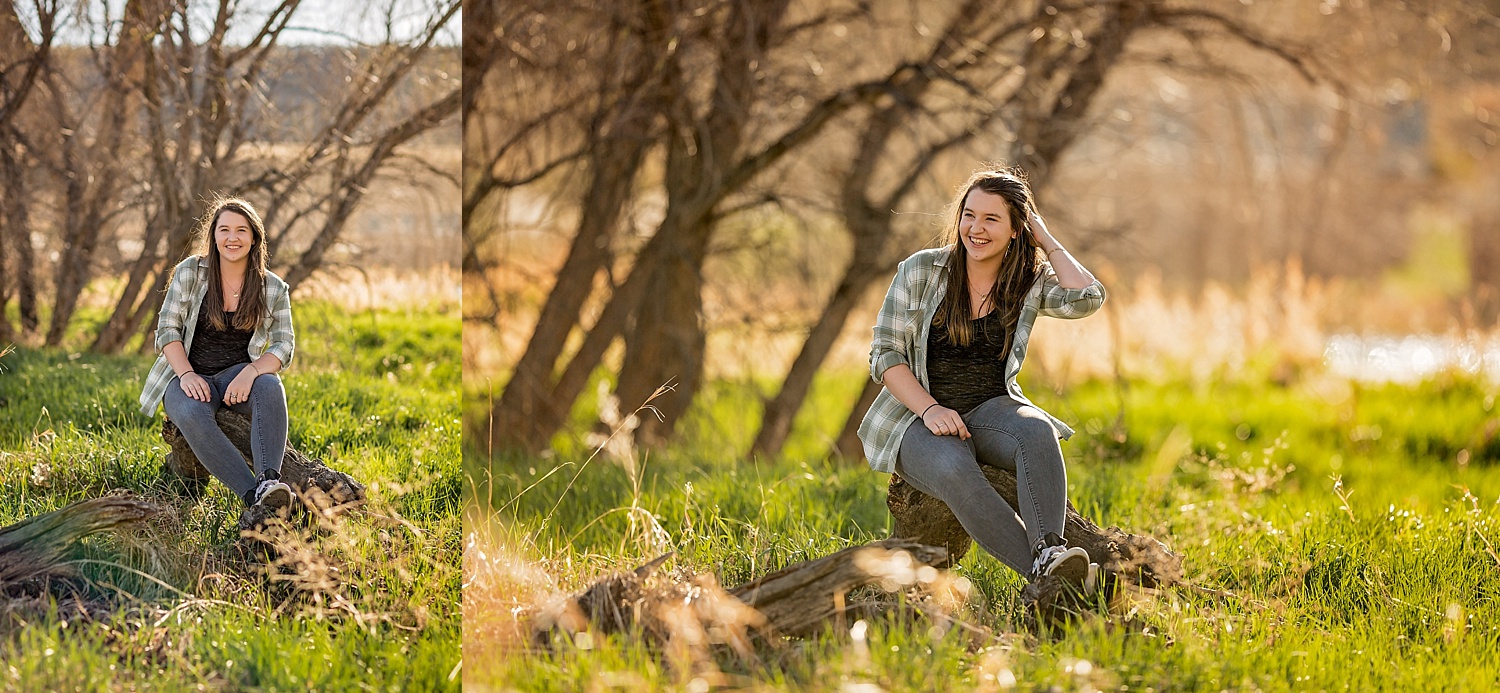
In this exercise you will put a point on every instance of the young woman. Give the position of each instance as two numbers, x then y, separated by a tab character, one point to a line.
949	342
224	332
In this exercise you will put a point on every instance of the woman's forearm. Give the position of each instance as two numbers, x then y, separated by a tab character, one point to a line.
177	358
907	390
266	364
1070	273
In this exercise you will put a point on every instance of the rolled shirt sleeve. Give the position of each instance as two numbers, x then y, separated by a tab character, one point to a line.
1069	304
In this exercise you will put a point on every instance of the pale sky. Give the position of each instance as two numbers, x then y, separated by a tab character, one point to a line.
323	22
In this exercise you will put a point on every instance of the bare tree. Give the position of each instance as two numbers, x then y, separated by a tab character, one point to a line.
616	138
732	115
91	171
706	159
169	90
196	98
1062	72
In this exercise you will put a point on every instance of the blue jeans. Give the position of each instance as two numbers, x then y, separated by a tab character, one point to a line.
266	408
1006	434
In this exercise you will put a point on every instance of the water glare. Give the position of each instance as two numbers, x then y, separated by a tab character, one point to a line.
1408	359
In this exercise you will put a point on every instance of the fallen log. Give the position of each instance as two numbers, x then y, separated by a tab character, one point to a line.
804	598
34	548
799	599
313	481
796	601
1124	559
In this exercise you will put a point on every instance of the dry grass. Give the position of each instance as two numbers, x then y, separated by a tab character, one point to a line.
436	287
1281	316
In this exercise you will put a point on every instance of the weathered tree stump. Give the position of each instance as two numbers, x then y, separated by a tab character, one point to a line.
313	481
33	548
796	601
33	555
1135	559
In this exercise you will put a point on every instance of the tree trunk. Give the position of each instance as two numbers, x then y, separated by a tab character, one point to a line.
782	409
703	157
11	201
18	230
611	322
848	445
92	190
26	282
668	342
131	307
1484	266
528	413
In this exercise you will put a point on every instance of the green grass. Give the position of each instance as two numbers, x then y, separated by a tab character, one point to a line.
1393	590
371	602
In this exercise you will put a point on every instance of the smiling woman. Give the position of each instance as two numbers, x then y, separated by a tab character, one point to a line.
948	346
224	332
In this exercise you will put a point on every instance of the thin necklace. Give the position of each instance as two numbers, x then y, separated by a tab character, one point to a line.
984	300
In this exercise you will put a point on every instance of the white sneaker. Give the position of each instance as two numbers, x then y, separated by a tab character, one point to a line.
1069	563
273	494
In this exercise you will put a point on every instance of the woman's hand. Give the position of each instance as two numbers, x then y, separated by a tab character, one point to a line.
943	421
195	386
239	388
1039	234
1070	274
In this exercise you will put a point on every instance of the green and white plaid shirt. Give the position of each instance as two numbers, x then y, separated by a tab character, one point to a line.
901	337
179	317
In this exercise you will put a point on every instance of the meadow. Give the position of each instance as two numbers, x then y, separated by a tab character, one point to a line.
1336	534
367	601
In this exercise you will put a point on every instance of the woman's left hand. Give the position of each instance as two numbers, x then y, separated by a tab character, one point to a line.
1038	229
239	388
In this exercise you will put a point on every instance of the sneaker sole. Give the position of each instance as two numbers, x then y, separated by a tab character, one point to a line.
1073	566
277	498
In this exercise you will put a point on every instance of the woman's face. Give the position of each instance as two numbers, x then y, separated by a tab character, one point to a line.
984	227
233	236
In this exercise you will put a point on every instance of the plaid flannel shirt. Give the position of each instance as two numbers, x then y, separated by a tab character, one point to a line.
901	337
179	317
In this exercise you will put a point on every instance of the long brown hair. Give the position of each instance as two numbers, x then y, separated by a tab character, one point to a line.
1018	269
252	308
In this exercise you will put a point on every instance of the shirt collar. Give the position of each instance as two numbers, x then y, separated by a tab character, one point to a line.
942	259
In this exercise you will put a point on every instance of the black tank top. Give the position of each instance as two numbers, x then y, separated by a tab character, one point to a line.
963	377
214	350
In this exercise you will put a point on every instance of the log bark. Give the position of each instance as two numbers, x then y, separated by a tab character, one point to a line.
797	601
34	547
313	481
801	599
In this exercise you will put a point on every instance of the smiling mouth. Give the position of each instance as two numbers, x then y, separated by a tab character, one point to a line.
978	242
